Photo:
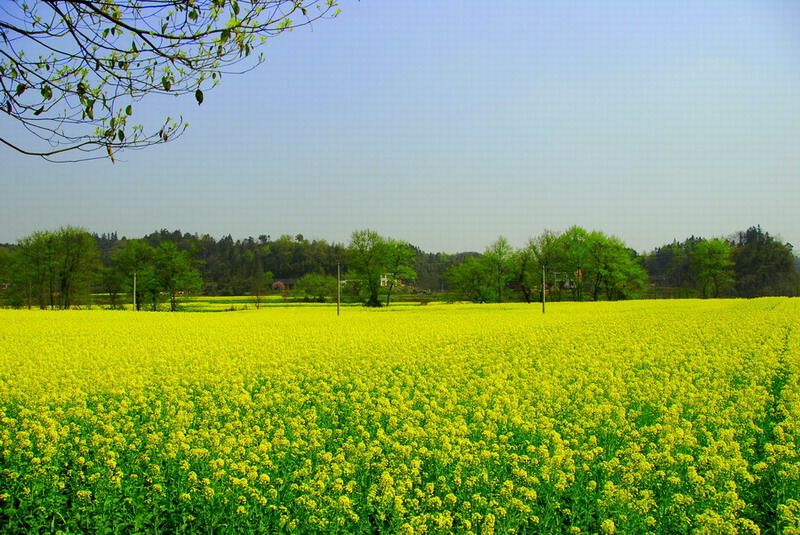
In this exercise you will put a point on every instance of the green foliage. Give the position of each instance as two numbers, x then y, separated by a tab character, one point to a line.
365	259
527	273
574	257
497	261
579	265
669	267
486	279
87	62
372	257
174	273
134	264
539	260
156	271
52	269
260	286
712	266
470	278
611	268
577	259
317	286
763	265
398	259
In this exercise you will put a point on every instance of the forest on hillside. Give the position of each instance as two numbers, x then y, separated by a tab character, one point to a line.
67	267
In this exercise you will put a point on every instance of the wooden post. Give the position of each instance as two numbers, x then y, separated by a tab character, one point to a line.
338	289
543	287
134	291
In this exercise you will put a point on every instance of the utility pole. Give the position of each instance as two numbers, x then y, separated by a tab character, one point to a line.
134	291
338	289
543	288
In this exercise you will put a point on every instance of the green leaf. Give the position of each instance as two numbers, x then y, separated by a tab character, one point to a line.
47	92
167	84
90	109
20	89
198	95
235	8
129	110
121	135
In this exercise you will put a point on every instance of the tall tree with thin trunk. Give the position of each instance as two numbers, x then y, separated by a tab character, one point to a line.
79	265
498	260
174	272
712	266
398	259
546	250
134	261
366	260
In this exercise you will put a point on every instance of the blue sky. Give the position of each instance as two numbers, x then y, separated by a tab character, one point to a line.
448	124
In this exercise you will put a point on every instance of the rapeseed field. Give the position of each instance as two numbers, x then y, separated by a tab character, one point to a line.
633	417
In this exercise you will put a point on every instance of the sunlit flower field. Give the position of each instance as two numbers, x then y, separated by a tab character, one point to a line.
628	417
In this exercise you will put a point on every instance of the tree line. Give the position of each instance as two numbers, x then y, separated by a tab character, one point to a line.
579	263
64	268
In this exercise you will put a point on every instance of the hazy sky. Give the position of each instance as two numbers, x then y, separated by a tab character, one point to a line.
450	123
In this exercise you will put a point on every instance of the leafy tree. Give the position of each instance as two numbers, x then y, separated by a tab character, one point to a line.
712	267
432	269
38	268
317	286
498	264
135	260
398	259
574	247
260	285
763	265
669	267
600	264
602	254
546	251
629	281
470	278
175	273
611	268
56	268
366	262
13	290
524	270
72	72
79	264
113	284
370	257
